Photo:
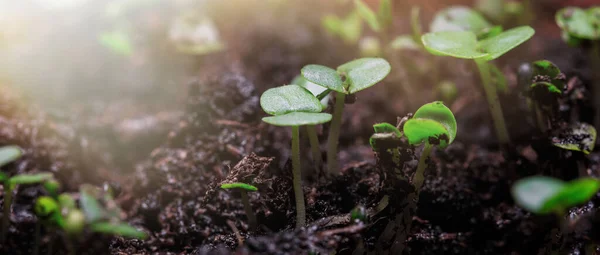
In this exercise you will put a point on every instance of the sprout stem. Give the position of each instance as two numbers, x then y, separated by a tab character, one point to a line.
297	178
6	217
252	223
334	133
493	101
314	145
419	174
539	117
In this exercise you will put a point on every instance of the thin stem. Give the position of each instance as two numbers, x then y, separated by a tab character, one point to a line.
314	145
36	249
252	222
539	117
297	178
6	217
493	101
334	133
420	173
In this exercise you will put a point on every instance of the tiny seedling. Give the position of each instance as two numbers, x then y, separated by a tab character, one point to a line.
244	188
434	125
7	155
294	106
465	45
546	83
348	79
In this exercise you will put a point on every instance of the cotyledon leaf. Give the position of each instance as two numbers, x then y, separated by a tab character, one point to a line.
289	98
363	73
298	119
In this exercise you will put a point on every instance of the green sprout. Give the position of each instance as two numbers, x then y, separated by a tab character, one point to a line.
7	155
294	106
244	188
546	83
464	44
348	79
434	125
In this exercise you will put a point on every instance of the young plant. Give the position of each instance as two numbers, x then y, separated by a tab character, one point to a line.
7	155
461	18
546	195
577	137
465	45
580	25
348	79
294	106
546	83
244	188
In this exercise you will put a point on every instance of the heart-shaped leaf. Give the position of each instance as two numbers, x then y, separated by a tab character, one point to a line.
464	44
574	193
433	123
577	137
9	154
289	98
364	72
532	193
298	119
323	76
459	18
368	15
30	178
580	23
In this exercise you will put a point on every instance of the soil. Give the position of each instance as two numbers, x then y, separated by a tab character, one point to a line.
167	164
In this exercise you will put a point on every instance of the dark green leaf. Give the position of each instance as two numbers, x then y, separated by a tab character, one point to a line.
298	119
289	98
119	229
9	154
30	178
577	137
238	185
532	193
323	76
364	72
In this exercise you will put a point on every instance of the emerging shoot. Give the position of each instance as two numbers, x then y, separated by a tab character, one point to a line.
244	188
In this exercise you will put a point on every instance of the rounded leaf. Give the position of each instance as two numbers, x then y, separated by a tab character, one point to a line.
289	98
323	76
364	72
298	119
9	154
498	45
239	185
532	193
425	130
458	44
580	23
574	193
458	18
439	112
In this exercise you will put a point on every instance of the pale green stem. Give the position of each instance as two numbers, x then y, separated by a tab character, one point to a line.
334	133
420	173
493	101
314	145
297	178
252	222
6	217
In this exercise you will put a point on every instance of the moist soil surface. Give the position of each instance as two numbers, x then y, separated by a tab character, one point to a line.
166	165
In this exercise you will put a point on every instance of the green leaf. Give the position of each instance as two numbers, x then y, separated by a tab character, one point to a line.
289	98
546	71
432	123
532	193
30	178
546	87
323	76
498	45
117	41
580	23
576	192
238	185
351	28
459	18
364	72
386	128
458	44
298	119
489	32
89	203
66	201
332	24
368	15
320	92
385	12
404	42
577	137
119	229
9	154
47	210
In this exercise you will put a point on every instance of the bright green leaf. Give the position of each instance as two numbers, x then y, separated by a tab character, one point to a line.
368	15
9	154
580	23
289	98
577	137
574	193
498	45
532	193
323	76
119	229
238	185
458	44
298	119
386	128
459	18
117	41
364	72
30	178
432	123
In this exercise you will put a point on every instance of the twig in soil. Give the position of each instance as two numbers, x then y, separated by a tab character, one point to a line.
236	231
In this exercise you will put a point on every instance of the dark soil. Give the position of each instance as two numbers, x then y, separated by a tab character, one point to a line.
181	155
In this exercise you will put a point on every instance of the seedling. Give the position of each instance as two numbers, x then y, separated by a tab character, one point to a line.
461	18
577	137
464	44
244	188
546	85
348	79
7	155
294	106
